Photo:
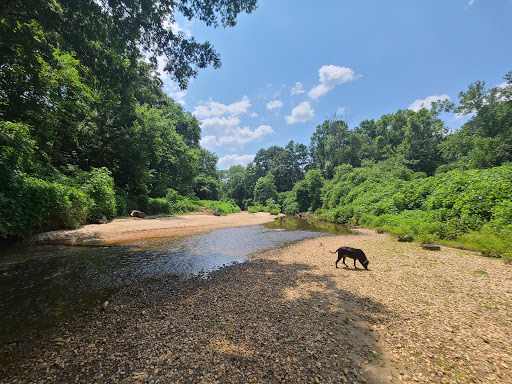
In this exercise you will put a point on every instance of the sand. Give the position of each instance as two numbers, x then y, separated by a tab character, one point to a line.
416	316
132	228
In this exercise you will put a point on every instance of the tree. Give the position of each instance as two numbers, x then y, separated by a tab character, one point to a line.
315	183
486	139
206	183
265	189
233	180
422	135
135	25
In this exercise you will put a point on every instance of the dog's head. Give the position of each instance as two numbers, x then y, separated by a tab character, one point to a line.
365	263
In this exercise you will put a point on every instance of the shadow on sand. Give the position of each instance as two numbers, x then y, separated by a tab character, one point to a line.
261	321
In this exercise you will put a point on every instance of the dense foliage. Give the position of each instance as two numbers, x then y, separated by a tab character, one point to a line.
85	128
404	173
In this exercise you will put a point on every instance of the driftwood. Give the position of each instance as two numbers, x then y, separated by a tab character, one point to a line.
431	247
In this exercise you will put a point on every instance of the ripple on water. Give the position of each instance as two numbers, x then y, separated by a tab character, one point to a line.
42	284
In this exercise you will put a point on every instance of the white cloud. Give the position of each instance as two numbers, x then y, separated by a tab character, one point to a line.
219	125
427	102
301	113
330	76
209	142
229	160
471	2
212	108
275	104
172	90
236	138
340	111
298	89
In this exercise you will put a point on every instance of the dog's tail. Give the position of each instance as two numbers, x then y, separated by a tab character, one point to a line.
334	251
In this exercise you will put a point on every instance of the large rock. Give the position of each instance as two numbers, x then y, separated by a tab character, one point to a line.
138	214
103	220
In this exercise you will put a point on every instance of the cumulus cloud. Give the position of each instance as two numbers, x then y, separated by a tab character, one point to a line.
297	89
219	125
275	104
427	102
229	160
340	111
212	108
301	113
236	138
329	77
209	142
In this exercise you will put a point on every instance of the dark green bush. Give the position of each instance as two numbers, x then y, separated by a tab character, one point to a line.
159	206
98	184
37	205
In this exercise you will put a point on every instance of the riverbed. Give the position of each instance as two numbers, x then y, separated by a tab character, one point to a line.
43	284
415	316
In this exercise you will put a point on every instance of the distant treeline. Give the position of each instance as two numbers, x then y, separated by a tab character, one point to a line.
405	173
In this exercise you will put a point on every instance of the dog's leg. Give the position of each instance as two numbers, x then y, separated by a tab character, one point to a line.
355	266
339	258
344	260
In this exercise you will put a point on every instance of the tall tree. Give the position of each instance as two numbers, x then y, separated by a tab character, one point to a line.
486	139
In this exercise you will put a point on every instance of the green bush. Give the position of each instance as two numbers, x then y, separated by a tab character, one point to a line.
256	208
159	206
222	208
41	205
98	184
180	204
272	207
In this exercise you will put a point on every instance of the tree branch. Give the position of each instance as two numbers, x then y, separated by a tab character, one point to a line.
6	9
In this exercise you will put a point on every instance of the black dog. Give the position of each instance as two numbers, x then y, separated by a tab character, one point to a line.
353	253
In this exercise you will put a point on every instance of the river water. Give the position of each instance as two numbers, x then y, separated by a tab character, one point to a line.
41	285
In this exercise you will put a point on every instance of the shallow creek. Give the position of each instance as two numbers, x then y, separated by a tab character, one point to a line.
41	285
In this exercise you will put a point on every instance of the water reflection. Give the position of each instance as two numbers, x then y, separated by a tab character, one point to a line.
292	223
40	285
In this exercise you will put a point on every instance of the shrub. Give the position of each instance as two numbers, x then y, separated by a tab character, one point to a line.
41	206
256	208
222	208
98	184
272	207
159	206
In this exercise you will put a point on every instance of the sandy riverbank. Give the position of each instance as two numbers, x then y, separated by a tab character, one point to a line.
132	228
416	316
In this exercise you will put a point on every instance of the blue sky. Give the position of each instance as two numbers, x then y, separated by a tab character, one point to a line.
292	64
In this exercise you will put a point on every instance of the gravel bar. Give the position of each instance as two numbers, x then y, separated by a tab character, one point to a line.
290	316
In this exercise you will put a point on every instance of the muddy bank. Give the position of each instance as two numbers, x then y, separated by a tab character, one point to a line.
128	229
290	316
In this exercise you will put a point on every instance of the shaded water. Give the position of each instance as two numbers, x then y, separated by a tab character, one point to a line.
41	285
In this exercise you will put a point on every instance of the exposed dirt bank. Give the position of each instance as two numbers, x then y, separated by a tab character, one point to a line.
128	229
416	316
